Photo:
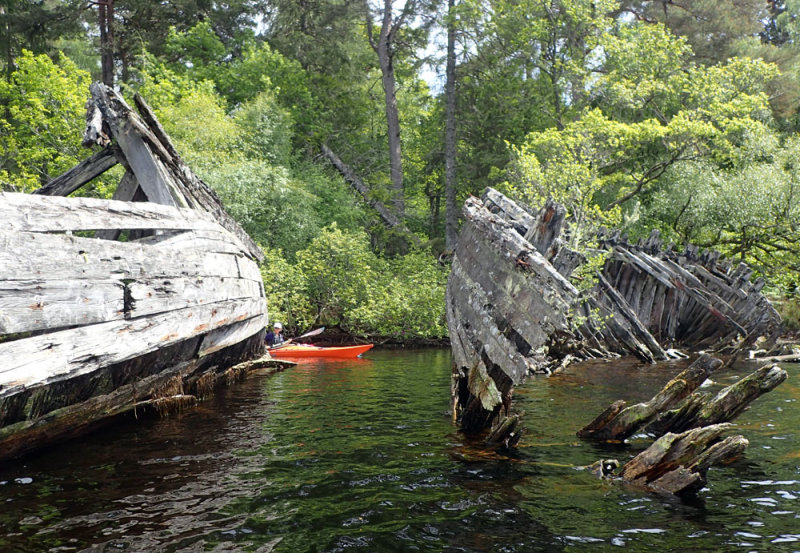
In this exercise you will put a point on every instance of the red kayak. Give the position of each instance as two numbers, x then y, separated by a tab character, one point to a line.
307	350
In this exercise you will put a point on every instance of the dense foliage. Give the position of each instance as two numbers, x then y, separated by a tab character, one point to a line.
636	114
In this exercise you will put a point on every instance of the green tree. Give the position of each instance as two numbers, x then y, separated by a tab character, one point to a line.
43	120
748	213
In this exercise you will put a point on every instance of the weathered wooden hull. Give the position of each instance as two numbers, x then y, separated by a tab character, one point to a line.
144	299
90	327
511	309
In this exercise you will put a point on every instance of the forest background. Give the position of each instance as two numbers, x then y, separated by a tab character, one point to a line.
668	115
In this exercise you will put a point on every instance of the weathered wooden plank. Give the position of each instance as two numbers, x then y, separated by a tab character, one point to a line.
151	156
126	191
212	241
640	332
154	178
69	353
151	296
25	212
248	269
509	211
229	335
88	169
27	306
73	258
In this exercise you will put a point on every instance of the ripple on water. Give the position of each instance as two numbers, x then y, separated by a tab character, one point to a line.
359	458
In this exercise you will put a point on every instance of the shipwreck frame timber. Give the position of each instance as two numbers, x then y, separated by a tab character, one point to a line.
91	326
512	310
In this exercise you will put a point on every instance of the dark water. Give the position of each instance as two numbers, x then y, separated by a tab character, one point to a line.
360	456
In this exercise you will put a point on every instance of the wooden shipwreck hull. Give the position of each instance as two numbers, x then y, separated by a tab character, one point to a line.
512	310
109	304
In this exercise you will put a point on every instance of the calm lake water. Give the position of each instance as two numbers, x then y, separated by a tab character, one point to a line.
361	456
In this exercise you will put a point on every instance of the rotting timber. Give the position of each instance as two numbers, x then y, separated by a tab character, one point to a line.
110	304
512	310
688	426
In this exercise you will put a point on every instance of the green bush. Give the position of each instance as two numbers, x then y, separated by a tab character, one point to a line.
345	284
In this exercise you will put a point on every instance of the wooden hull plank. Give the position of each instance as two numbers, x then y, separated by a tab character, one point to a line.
73	257
27	306
61	355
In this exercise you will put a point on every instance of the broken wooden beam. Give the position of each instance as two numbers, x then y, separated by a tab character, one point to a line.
703	409
618	422
678	463
688	427
89	169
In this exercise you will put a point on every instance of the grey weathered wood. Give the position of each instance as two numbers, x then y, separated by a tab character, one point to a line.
509	211
149	153
58	356
90	327
157	184
231	334
87	258
24	212
46	413
621	306
126	191
90	168
151	296
27	306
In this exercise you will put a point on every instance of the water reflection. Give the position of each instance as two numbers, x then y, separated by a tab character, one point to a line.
360	455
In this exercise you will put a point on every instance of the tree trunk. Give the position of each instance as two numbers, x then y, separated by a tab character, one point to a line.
385	50
106	13
5	16
451	210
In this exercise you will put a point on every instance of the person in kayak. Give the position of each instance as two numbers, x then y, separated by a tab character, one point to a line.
275	336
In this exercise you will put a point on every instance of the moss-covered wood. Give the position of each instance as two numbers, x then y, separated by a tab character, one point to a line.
626	422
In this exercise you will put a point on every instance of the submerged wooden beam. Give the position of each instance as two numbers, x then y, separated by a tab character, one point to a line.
688	426
626	421
677	463
702	410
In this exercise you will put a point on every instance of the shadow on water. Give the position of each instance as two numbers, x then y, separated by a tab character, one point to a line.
360	455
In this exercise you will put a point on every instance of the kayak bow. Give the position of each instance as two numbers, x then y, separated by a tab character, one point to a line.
307	350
